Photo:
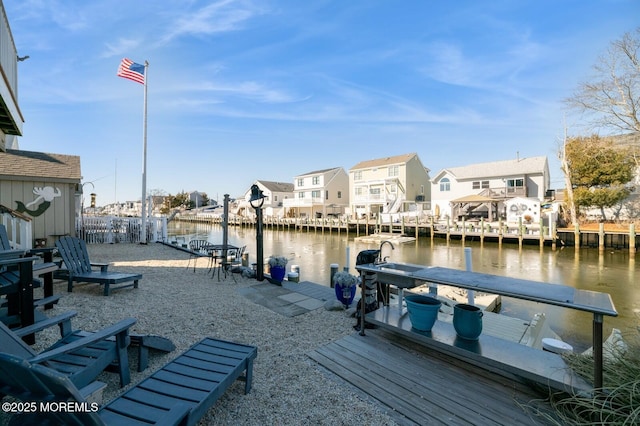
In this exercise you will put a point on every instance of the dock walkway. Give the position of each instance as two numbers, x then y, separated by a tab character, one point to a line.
420	386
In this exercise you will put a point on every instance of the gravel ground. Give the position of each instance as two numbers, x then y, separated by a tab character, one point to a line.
185	306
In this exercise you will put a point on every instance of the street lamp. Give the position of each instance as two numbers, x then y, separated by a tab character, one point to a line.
256	201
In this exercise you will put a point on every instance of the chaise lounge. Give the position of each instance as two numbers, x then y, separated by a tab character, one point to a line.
180	393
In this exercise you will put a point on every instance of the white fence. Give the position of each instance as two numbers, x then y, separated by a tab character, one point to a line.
19	231
115	229
94	230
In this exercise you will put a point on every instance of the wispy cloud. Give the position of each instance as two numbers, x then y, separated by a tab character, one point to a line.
218	17
122	47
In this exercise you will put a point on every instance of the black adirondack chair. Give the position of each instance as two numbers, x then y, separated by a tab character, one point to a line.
79	355
80	269
179	393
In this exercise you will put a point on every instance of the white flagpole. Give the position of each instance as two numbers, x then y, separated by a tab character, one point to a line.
143	232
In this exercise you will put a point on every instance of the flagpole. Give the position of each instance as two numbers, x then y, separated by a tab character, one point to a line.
143	232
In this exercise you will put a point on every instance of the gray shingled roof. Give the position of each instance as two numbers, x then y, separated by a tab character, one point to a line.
500	168
39	165
317	172
386	161
277	186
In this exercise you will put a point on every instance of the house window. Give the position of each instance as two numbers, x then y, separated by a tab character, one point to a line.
326	195
339	194
300	182
515	183
301	194
357	175
445	185
374	191
275	198
315	194
315	180
358	190
394	170
480	184
393	189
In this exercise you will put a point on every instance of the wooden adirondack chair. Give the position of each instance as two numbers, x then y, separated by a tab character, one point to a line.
38	269
80	269
79	355
179	393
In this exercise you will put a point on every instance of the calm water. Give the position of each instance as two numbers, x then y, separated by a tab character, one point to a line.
613	272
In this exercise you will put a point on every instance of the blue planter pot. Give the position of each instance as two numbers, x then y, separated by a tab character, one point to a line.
423	311
277	273
345	295
467	321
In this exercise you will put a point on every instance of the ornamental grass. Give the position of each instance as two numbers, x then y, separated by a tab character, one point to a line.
616	403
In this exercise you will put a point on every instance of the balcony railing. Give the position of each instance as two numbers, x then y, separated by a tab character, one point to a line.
10	116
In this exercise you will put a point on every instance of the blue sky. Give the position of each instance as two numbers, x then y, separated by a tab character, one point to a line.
269	89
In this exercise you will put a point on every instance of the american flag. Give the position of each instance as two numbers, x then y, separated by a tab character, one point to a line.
131	70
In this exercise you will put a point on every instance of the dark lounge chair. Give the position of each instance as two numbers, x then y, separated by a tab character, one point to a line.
80	269
79	355
180	393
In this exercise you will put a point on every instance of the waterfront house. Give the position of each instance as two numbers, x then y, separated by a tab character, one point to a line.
274	192
390	185
480	190
319	193
198	199
42	189
40	193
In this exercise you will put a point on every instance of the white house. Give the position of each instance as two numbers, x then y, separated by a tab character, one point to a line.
389	185
481	189
274	192
319	193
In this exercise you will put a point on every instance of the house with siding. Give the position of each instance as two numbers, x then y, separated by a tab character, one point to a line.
318	194
389	185
40	193
44	188
274	192
480	190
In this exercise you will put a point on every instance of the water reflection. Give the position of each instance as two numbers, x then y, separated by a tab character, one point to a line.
612	271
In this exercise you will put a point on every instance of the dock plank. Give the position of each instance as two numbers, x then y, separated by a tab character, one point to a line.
417	385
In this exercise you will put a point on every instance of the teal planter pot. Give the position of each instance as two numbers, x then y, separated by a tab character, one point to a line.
467	321
423	311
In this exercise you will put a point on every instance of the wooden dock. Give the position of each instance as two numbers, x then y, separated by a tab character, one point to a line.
481	231
416	386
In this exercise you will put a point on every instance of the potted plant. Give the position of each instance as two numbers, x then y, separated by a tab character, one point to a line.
345	285
277	267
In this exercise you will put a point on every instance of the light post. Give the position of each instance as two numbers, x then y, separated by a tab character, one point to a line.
256	201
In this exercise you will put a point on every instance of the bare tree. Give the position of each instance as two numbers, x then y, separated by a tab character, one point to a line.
612	98
564	166
609	101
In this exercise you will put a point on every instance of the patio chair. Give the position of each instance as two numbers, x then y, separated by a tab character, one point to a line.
79	355
198	249
80	269
234	259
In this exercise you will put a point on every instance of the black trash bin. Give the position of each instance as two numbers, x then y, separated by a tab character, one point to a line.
370	282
